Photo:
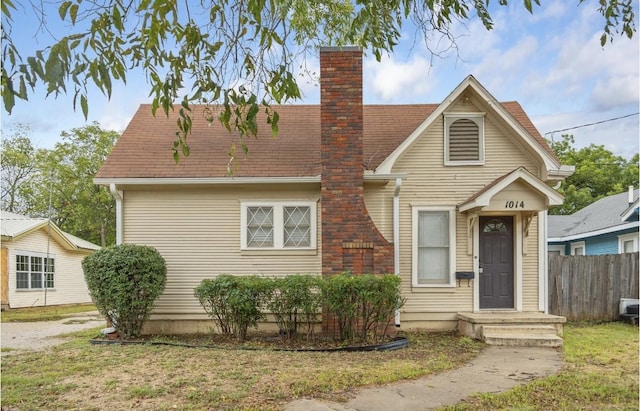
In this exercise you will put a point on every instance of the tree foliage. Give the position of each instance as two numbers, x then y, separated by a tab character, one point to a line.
599	173
58	182
239	55
20	160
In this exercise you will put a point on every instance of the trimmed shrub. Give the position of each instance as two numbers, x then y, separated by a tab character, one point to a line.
294	301
233	302
362	305
124	282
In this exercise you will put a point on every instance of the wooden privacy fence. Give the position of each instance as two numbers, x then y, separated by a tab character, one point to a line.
590	287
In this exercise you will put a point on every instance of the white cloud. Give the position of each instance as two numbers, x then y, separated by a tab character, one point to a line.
391	80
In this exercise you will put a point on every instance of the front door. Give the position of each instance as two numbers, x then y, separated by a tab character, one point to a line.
496	262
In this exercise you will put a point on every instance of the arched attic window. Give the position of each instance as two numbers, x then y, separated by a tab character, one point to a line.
464	139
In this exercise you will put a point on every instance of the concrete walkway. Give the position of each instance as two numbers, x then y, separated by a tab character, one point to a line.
496	369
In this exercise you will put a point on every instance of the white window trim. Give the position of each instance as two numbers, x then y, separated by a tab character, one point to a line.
626	237
477	118
452	245
578	244
278	222
30	254
557	247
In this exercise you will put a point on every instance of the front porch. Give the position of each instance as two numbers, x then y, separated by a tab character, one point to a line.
513	328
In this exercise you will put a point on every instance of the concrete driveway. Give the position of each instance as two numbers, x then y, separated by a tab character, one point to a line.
36	336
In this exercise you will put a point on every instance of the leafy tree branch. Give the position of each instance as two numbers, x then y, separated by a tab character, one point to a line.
239	56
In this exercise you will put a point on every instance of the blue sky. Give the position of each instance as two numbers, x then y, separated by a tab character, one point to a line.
550	61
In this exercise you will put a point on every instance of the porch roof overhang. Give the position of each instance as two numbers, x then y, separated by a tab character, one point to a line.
518	190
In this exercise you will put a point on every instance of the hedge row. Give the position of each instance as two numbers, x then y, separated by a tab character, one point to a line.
362	305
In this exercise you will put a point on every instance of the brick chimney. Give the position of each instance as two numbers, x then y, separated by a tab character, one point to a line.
350	239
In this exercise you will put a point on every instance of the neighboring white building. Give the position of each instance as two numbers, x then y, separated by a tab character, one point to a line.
41	264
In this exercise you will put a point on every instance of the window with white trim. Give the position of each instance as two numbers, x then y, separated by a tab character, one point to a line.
34	272
434	242
464	139
270	225
578	248
556	249
628	243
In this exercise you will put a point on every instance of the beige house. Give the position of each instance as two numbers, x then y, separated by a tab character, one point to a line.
41	264
452	197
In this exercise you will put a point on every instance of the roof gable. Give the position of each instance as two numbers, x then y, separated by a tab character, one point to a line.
15	226
483	197
510	112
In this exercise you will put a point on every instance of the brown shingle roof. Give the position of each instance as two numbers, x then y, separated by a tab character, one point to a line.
144	149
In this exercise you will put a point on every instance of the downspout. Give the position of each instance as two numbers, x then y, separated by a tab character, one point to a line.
396	237
543	261
117	194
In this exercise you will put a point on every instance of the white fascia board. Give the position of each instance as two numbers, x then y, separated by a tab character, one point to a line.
561	173
204	180
231	180
629	211
384	177
607	230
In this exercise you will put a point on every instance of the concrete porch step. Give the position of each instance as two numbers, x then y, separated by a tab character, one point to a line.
530	335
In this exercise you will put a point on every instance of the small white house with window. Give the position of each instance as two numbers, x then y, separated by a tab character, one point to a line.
451	197
41	264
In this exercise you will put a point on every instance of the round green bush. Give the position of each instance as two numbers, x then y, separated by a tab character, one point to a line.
124	282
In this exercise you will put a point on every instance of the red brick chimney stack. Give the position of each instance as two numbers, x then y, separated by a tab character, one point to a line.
350	240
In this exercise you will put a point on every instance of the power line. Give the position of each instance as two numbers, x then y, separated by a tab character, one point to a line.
592	124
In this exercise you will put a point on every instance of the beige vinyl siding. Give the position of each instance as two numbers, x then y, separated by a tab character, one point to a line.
197	231
430	183
69	284
530	269
378	199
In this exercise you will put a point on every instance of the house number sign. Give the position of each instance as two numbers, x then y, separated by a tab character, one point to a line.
514	204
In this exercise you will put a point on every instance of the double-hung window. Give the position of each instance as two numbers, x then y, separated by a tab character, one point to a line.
464	139
433	246
628	243
283	225
34	272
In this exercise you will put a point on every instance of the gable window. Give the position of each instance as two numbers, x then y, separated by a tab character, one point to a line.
278	225
34	272
628	243
433	246
464	139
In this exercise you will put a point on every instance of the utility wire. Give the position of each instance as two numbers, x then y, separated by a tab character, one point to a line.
592	124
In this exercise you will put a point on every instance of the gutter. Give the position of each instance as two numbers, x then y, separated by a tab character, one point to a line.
117	194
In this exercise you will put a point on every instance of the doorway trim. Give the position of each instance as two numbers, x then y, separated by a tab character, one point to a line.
517	261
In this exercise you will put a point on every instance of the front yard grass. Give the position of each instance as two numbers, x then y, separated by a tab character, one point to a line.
77	375
600	373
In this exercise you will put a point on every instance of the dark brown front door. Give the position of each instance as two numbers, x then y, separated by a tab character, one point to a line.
496	262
